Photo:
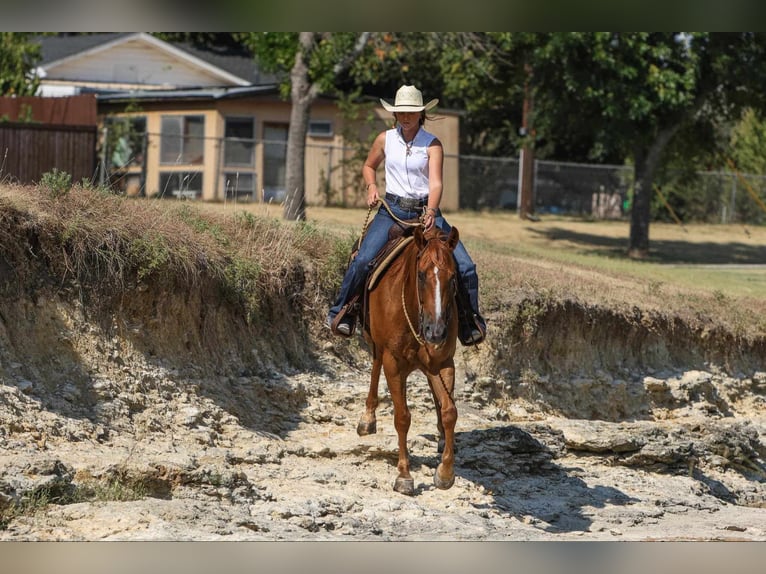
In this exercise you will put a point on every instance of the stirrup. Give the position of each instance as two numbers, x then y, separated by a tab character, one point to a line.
473	335
346	317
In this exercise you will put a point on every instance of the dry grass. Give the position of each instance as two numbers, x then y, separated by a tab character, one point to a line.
713	274
728	258
87	236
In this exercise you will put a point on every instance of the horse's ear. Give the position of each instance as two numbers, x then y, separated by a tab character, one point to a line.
420	240
453	238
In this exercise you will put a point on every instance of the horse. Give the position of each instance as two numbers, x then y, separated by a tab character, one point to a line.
412	323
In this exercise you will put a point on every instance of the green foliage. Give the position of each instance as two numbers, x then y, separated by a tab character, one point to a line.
241	282
18	59
530	313
194	219
124	137
63	493
149	254
748	143
335	263
484	74
57	182
276	52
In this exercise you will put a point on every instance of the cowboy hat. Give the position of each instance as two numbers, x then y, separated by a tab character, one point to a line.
408	99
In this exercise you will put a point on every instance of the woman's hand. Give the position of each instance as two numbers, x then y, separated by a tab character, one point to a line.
372	194
429	217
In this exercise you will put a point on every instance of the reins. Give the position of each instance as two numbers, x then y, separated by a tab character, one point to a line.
414	332
382	201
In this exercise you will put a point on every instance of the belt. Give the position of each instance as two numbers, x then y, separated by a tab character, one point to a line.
406	202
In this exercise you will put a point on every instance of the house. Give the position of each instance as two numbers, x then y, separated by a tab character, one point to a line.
180	121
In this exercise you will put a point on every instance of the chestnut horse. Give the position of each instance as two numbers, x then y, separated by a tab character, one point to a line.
412	325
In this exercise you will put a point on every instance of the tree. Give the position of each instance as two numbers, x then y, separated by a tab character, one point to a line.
18	59
634	92
316	62
748	143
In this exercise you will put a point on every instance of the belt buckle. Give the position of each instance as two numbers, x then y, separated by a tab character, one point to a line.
409	203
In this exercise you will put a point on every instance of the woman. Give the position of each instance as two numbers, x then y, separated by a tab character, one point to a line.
414	160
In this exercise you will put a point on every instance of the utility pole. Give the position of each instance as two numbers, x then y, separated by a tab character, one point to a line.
526	199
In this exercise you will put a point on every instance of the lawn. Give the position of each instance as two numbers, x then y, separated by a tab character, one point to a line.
725	260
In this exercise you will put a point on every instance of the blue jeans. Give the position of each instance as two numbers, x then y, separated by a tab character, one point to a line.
377	236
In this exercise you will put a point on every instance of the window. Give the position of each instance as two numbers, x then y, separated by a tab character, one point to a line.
239	143
320	129
182	140
180	184
239	186
274	156
125	140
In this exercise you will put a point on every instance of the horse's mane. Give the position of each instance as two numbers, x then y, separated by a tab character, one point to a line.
437	251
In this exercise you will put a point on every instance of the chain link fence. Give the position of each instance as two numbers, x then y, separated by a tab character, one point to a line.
253	170
604	191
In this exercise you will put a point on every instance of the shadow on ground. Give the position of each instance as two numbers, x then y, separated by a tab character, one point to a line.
662	251
517	469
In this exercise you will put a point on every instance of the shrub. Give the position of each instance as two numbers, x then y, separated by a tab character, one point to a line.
57	182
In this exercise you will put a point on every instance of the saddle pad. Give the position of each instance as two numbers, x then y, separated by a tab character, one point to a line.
383	265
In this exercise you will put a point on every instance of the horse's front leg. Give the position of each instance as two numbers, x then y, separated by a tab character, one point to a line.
397	386
442	384
439	425
368	421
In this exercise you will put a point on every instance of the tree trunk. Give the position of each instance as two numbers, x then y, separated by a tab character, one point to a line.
526	197
646	164
295	177
302	94
640	212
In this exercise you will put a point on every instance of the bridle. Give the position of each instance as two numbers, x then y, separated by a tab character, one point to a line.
418	333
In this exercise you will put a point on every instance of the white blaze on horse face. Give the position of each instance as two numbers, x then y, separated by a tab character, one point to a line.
438	290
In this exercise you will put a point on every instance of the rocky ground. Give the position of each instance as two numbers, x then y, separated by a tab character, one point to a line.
139	451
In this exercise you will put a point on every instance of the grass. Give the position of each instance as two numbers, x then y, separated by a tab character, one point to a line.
712	271
91	237
109	490
712	257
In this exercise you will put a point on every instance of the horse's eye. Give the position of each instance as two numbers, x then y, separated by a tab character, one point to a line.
422	276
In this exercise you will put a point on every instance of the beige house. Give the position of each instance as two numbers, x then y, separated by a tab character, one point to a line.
182	122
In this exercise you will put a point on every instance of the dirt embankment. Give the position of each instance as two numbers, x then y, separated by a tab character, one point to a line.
162	414
221	433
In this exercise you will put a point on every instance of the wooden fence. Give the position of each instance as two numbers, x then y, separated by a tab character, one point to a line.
70	110
28	150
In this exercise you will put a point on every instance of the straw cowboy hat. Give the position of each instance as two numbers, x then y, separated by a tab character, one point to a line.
408	99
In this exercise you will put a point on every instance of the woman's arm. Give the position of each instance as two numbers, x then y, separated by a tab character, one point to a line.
370	167
435	185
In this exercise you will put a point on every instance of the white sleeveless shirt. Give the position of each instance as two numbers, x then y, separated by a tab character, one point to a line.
407	165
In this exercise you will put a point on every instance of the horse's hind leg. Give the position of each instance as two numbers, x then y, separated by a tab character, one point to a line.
368	421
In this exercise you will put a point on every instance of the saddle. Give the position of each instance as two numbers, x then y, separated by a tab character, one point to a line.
399	236
357	308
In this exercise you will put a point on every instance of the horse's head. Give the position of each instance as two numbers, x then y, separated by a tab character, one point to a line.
436	277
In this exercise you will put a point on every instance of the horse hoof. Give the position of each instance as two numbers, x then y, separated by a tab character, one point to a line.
364	428
442	483
405	486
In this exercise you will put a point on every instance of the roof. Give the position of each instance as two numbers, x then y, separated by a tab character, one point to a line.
190	94
238	63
